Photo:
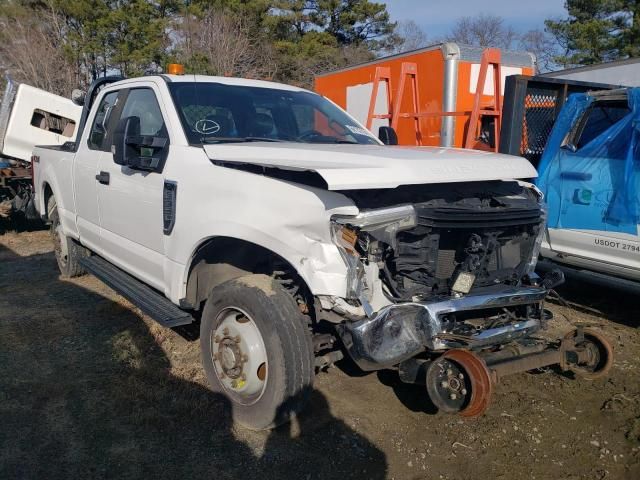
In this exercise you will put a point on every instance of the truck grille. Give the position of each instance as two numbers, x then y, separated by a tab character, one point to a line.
493	245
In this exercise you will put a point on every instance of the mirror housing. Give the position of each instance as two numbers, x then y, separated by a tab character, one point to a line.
78	96
138	152
567	143
388	136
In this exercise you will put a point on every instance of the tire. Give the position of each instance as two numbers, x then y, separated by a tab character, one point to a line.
239	311
68	252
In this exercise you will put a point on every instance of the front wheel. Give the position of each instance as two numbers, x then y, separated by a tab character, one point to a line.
257	351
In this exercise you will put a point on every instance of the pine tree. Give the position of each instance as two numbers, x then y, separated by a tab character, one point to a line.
597	31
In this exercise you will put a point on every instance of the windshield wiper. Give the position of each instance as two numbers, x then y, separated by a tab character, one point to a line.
239	139
329	140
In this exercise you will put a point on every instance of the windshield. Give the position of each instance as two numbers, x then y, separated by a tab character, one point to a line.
219	113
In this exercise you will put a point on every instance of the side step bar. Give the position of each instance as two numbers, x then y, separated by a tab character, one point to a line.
154	304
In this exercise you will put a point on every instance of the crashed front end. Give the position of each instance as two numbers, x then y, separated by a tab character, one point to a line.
452	268
443	269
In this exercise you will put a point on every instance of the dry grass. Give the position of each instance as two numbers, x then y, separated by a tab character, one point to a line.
89	388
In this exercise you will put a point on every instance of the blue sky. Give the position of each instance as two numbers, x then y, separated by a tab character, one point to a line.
437	17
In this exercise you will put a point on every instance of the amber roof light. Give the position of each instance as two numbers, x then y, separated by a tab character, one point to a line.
175	69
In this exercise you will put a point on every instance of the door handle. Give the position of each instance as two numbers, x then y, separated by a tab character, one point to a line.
103	178
580	176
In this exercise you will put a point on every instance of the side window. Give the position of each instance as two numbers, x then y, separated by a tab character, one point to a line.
101	121
594	122
53	123
600	118
142	103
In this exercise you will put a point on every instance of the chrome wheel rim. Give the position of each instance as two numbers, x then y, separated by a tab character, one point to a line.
239	356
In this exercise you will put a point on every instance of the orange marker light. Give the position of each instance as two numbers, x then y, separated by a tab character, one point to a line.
175	69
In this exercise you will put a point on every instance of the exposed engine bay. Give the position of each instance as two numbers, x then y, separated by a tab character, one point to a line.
461	237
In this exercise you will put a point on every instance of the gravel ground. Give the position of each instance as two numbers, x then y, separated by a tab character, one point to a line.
91	388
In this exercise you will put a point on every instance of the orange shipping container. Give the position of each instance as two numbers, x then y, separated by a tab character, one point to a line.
447	78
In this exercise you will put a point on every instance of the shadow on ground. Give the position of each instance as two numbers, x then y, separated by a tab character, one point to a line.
85	392
606	302
18	223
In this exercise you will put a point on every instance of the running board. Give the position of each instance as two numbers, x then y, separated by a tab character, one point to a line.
154	304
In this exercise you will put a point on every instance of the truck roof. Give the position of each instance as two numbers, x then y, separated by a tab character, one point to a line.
246	82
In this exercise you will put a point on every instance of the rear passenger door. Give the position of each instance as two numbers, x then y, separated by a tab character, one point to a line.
131	203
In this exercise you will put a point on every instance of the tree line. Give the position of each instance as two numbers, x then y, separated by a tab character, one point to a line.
59	45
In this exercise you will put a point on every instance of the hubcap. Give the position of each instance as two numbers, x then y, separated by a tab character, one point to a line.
239	356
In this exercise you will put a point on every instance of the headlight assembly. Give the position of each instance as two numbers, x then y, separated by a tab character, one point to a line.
382	225
537	246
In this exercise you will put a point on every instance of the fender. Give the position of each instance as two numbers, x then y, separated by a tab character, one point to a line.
316	260
67	217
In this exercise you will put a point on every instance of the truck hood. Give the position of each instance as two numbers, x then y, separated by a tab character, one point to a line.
351	167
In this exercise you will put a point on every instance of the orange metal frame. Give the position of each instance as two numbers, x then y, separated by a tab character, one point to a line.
490	58
382	73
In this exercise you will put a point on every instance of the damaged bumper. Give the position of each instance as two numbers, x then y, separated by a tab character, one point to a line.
401	331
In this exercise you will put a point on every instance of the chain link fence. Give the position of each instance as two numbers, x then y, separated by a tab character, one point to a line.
530	108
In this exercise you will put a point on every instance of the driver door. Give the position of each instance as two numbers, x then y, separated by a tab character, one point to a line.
130	200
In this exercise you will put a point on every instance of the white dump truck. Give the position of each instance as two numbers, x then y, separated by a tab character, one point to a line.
291	234
28	117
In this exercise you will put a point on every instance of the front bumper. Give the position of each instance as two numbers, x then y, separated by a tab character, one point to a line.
401	331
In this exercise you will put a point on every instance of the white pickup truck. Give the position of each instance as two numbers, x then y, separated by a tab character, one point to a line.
291	234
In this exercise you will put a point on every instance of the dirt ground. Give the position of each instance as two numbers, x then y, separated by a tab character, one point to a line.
90	388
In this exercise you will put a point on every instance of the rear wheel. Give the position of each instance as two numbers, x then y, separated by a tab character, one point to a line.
68	252
257	351
596	352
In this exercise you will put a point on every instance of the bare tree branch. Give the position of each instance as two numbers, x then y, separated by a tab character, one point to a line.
31	49
224	42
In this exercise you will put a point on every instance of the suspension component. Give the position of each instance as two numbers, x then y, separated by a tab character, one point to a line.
460	382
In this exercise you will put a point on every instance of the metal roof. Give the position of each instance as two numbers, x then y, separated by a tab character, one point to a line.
468	53
586	68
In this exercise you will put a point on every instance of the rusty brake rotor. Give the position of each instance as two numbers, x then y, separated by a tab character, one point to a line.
460	382
594	351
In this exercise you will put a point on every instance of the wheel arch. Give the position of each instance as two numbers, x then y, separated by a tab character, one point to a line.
222	258
47	193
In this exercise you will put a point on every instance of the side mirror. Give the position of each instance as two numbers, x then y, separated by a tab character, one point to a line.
78	96
139	152
567	143
388	136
